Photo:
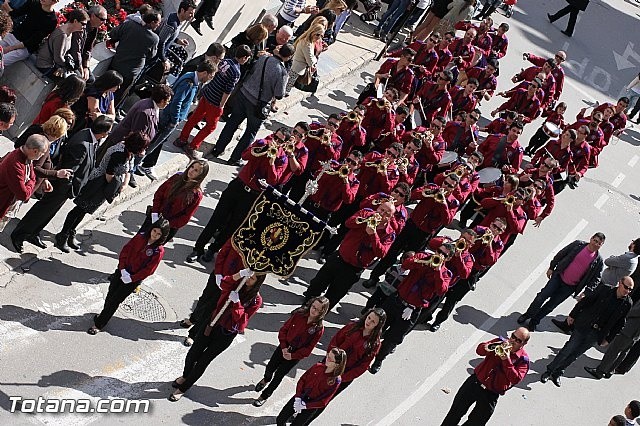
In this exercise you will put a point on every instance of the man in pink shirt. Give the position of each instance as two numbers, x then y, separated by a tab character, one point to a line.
574	268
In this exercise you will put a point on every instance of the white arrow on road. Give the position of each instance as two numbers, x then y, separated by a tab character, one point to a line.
622	60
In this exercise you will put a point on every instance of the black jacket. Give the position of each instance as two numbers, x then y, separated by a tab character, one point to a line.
79	155
564	257
587	312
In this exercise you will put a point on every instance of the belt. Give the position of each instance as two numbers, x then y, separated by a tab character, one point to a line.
403	303
249	189
595	326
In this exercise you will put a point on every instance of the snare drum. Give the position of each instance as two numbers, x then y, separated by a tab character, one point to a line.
489	176
447	159
551	129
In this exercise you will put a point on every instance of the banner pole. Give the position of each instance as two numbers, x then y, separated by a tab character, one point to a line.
224	308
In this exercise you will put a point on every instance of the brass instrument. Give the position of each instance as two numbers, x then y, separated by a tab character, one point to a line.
383	200
402	162
438	195
434	261
372	221
321	135
487	237
501	349
459	171
353	116
381	165
383	103
461	244
344	172
270	150
509	200
289	147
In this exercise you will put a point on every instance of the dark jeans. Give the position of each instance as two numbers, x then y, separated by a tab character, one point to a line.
616	353
241	109
552	294
207	10
71	222
277	368
394	12
635	110
396	328
578	343
410	238
471	391
453	296
570	10
536	141
150	159
118	292
204	350
205	306
338	275
630	360
41	213
287	412
489	7
234	205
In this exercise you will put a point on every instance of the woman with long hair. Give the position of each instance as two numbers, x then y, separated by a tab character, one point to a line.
98	99
315	389
138	260
361	341
212	341
104	185
178	198
64	95
305	56
298	336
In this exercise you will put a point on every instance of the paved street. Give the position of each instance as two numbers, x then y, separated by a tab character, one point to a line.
47	305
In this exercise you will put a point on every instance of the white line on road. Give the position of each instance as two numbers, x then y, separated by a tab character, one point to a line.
633	161
603	199
618	180
479	334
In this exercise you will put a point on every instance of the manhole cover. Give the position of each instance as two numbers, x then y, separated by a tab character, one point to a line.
144	305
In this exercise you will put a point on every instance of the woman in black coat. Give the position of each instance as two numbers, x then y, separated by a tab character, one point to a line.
574	7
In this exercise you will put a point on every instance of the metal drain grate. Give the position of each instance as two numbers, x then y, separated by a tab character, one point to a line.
144	305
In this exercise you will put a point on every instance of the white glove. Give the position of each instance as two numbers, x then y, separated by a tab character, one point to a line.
406	314
298	405
234	296
245	273
154	217
124	276
218	280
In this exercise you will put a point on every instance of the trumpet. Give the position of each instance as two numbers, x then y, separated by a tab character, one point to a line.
402	162
459	171
487	237
321	135
353	116
501	349
383	104
372	221
438	195
434	261
380	165
270	150
289	147
343	171
509	200
461	245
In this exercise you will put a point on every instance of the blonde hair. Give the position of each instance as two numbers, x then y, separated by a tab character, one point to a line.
338	6
320	20
67	114
55	127
307	36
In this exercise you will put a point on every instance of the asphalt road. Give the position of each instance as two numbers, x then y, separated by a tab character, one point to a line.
46	310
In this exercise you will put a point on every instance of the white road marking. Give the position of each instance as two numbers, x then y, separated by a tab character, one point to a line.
633	161
618	180
603	199
479	334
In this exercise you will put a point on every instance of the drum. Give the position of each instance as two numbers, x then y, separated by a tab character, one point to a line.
447	159
551	129
489	176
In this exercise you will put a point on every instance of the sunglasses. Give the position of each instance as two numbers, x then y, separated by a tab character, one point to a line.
629	288
516	338
333	124
499	228
400	193
297	133
433	41
448	184
474	118
278	138
351	161
388	151
435	126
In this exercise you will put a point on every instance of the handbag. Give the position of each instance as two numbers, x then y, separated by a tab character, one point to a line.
263	109
306	78
311	86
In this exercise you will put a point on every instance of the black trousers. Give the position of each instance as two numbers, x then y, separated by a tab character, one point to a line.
118	291
120	94
617	350
635	110
630	360
396	327
338	218
234	205
570	10
204	350
207	10
206	304
337	277
375	300
536	141
317	211
297	185
489	7
453	296
410	238
41	213
287	412
71	222
343	386
277	368
471	392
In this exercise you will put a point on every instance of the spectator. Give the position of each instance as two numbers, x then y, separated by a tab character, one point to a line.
252	37
7	115
212	103
82	42
98	99
17	177
8	6
6	25
205	12
54	60
169	30
7	94
631	413
270	22
215	53
253	97
185	90
63	96
138	43
618	420
279	38
37	20
329	15
292	9
306	54
634	86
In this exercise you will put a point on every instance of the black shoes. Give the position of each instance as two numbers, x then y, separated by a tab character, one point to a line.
214	153
196	27
132	181
550	18
36	241
562	325
434	327
18	246
545	376
195	254
259	386
370	283
594	372
209	21
234	163
71	241
566	33
61	243
522	319
208	255
375	367
556	380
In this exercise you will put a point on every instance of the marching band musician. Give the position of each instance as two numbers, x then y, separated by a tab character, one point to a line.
351	131
485	250
444	54
548	82
510	208
500	41
469	179
379	171
502	151
487	81
459	136
463	98
369	236
580	157
379	115
483	41
433	145
508	186
619	118
428	277
523	101
541	136
426	58
433	98
265	160
606	125
398	74
297	152
505	364
396	133
336	187
501	125
544	173
400	195
559	149
462	49
436	208
557	71
408	165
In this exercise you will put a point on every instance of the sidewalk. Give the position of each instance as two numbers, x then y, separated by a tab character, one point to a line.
354	48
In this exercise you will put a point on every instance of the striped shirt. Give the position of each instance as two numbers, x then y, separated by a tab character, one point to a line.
223	82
